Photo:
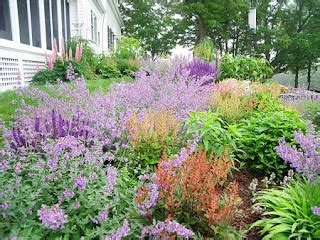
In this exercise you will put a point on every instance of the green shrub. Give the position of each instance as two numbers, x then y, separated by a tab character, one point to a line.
58	72
88	64
243	68
260	134
205	50
214	133
128	48
127	67
287	211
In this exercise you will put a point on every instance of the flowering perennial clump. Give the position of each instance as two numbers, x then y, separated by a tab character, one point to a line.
121	232
306	158
164	230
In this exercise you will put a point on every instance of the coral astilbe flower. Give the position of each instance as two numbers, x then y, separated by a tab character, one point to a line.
200	182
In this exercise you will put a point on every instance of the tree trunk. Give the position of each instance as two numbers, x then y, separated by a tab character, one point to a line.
296	78
227	49
309	74
201	31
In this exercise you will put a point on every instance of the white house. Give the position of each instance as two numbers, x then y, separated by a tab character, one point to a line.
28	27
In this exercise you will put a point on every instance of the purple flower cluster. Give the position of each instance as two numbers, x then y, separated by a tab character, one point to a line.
102	216
316	210
111	182
150	200
80	182
168	227
121	232
306	160
200	69
53	218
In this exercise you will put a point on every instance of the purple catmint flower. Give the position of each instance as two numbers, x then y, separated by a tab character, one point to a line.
111	178
4	166
4	206
52	217
93	176
169	227
316	210
305	160
76	205
102	216
151	200
68	193
120	233
80	183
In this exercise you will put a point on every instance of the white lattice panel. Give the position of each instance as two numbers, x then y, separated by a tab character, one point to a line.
30	68
9	70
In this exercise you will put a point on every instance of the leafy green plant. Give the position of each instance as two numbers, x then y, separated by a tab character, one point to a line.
213	131
127	67
288	211
205	50
243	68
88	64
260	134
128	48
58	72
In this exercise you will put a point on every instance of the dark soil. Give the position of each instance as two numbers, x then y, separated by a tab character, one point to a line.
247	216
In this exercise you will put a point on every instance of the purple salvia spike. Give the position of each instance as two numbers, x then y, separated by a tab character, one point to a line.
37	125
54	125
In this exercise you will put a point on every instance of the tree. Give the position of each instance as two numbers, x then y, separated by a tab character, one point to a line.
216	19
298	46
151	22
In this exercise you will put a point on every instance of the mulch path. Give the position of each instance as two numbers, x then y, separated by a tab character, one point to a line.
247	216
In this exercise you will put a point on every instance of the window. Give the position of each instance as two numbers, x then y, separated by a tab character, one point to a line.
54	10
63	19
23	21
110	38
68	20
35	23
5	22
94	27
48	23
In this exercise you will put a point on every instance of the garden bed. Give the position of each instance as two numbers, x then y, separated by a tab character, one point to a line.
155	157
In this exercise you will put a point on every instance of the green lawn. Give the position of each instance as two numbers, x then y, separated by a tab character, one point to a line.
287	79
7	109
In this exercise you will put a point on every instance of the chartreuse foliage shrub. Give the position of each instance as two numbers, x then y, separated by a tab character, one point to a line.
205	50
261	133
128	48
243	68
289	211
214	133
153	133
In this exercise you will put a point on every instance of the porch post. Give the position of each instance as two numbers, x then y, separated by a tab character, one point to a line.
14	16
42	25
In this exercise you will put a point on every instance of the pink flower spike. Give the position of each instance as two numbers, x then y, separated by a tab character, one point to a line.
81	50
55	49
62	48
77	53
70	54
